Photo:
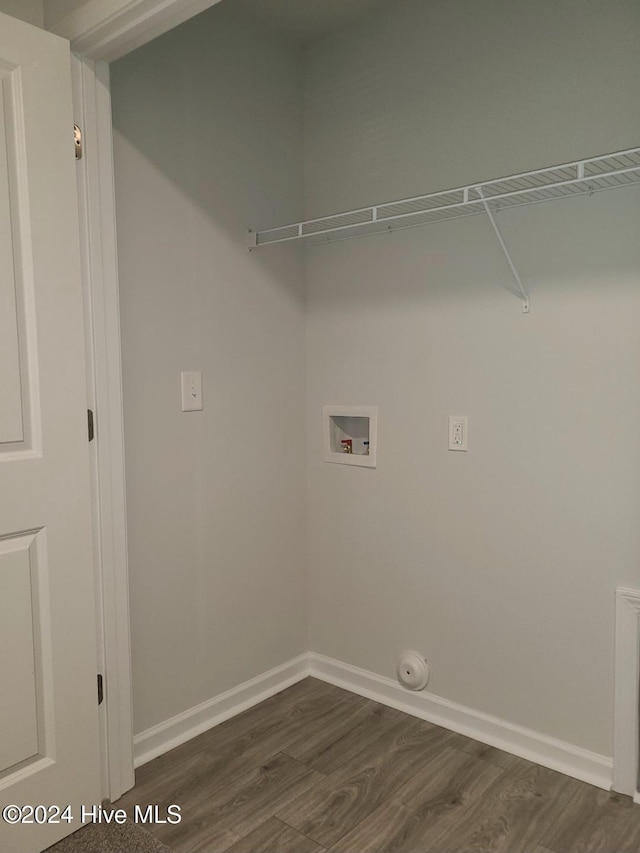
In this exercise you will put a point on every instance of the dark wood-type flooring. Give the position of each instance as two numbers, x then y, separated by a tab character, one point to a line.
316	768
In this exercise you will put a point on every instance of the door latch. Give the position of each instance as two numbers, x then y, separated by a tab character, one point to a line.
77	141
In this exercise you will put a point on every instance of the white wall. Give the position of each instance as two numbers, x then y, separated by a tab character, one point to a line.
499	564
56	10
423	96
30	11
208	143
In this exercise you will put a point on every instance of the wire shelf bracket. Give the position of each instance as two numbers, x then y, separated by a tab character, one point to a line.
523	292
578	178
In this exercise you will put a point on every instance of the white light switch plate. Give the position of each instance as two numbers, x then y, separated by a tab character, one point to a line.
458	432
191	390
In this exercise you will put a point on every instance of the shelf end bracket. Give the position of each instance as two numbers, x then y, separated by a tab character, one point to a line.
522	289
251	240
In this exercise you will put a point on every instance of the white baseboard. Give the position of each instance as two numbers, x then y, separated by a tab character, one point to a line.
181	728
547	751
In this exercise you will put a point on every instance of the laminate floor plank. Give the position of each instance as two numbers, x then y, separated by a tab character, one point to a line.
391	766
329	752
596	822
274	836
291	725
215	821
418	820
338	722
513	814
176	785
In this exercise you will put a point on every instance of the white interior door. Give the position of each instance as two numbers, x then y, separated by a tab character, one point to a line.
48	707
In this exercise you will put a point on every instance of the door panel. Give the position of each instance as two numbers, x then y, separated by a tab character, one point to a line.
11	413
48	708
18	700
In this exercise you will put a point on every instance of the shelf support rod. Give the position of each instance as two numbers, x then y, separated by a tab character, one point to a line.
503	246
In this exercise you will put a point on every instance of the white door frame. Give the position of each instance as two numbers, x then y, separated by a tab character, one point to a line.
625	707
102	334
101	31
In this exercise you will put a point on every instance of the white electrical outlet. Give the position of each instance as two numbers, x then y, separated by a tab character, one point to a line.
191	390
458	432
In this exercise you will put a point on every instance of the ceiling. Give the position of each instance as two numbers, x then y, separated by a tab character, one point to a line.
306	20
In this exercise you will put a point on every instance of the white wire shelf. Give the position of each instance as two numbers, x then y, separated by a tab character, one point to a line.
581	177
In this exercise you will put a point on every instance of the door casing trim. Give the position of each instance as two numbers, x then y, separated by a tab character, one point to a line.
99	32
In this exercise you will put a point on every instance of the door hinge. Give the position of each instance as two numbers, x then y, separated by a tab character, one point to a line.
100	689
90	427
77	141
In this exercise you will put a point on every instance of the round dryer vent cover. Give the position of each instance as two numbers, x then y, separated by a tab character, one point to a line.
412	670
